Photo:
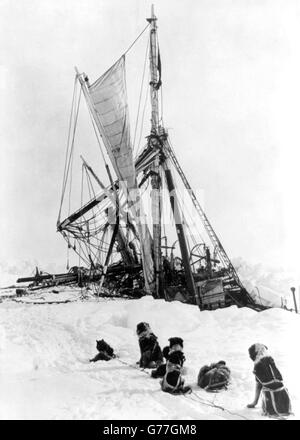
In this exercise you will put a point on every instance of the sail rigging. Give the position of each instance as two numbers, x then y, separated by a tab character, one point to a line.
112	224
109	98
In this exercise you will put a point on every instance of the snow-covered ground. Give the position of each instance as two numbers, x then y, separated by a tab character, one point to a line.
270	286
45	373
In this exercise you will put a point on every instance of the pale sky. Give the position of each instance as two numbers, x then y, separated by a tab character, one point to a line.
231	78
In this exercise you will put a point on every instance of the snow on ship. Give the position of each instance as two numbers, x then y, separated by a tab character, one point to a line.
124	248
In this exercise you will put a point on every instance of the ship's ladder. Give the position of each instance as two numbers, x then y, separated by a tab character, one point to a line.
207	225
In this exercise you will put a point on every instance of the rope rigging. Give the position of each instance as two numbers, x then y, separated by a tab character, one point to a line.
147	95
137	38
70	143
140	97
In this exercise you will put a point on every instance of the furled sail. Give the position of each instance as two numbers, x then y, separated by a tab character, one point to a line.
109	99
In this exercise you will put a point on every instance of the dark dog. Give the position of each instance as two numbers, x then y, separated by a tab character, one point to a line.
173	382
151	354
269	382
106	353
214	377
175	344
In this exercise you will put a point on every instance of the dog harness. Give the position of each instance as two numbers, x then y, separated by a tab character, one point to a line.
166	386
275	396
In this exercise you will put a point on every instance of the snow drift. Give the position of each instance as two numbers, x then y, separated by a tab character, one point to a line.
45	373
269	286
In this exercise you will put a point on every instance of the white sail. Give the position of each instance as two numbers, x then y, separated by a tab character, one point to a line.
109	99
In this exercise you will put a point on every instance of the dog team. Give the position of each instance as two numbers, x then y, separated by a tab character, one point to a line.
167	364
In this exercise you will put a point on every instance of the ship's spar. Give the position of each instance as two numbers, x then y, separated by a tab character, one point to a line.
112	222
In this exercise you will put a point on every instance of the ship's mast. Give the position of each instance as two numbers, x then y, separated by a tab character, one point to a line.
154	142
153	72
157	140
180	231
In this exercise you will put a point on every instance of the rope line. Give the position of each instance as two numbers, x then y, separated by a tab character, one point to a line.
73	137
143	118
212	404
132	44
140	97
69	160
68	146
198	399
142	370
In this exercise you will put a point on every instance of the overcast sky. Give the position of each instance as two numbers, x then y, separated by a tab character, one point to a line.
231	75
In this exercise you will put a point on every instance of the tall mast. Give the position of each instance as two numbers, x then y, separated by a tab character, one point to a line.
160	138
154	142
153	71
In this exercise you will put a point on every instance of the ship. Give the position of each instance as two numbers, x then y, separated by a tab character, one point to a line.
123	248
